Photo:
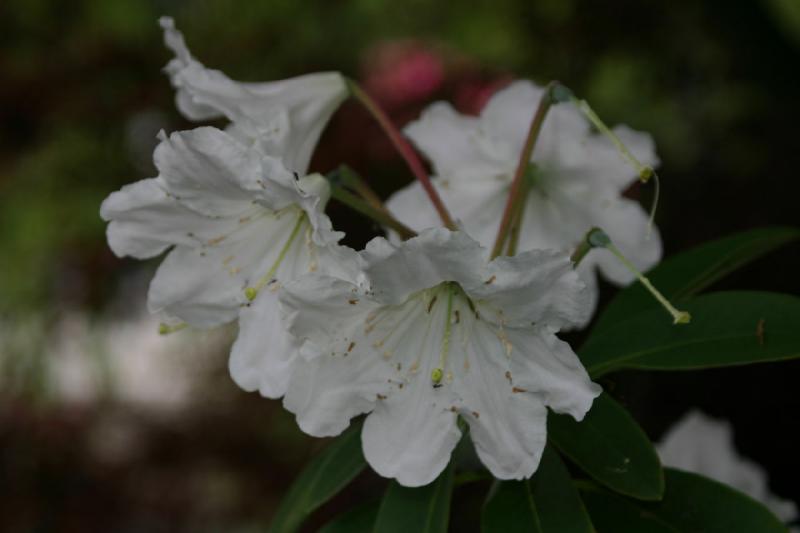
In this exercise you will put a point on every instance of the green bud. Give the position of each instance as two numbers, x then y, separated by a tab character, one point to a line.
436	375
598	238
560	94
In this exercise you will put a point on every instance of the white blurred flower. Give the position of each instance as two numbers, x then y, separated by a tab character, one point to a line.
704	445
438	332
236	221
283	118
577	179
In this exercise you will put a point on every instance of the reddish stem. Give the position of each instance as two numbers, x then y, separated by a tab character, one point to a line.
524	158
404	148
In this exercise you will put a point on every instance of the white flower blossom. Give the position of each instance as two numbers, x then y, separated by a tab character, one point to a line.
700	444
435	332
577	179
236	220
283	118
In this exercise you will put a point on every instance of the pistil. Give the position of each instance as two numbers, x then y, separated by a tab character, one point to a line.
252	292
438	373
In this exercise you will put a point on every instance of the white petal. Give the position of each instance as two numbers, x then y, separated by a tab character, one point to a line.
193	287
509	429
411	206
264	351
286	117
204	285
145	220
436	255
318	308
591	293
598	159
538	286
455	144
326	393
508	116
173	39
476	204
411	434
626	223
209	171
546	366
339	382
509	112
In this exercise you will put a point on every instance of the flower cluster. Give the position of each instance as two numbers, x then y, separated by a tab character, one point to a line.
419	333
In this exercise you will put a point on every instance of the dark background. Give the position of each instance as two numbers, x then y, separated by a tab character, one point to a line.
82	97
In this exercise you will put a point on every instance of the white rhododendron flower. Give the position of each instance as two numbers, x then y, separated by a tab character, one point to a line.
437	332
576	181
283	118
704	445
237	221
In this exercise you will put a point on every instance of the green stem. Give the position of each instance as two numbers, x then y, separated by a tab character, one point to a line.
518	191
351	178
516	225
404	148
380	216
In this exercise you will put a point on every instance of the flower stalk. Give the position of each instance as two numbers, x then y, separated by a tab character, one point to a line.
379	215
518	193
404	148
348	177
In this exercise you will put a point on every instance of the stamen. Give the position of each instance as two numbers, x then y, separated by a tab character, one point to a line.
251	292
645	172
597	238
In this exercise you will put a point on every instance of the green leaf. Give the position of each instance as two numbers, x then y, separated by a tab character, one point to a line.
685	274
614	513
691	503
560	507
510	509
421	509
357	520
611	447
727	328
340	462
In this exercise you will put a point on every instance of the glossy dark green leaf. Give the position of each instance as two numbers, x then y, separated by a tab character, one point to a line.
611	447
419	509
558	502
510	508
358	520
616	514
337	465
685	274
691	504
727	328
